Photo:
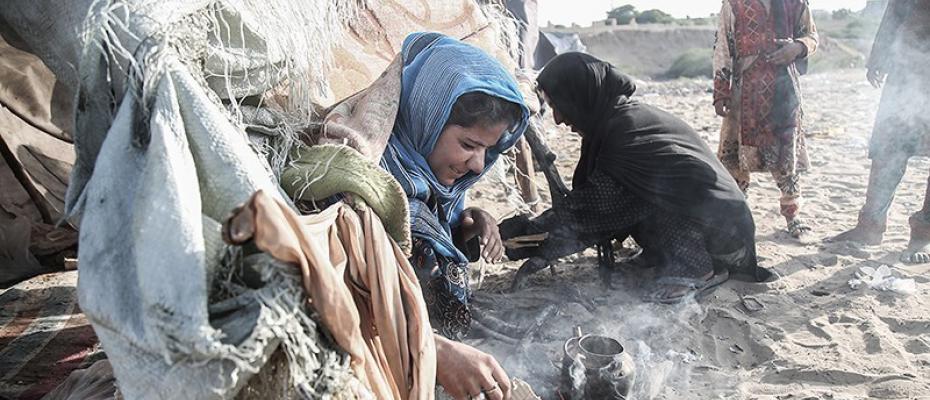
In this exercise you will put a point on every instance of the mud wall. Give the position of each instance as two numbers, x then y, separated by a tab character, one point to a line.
646	52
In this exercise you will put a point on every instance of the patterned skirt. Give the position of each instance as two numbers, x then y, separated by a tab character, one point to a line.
786	158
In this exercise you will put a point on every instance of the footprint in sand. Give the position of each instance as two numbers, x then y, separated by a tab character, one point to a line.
832	377
913	334
813	337
910	327
898	387
873	343
732	341
917	346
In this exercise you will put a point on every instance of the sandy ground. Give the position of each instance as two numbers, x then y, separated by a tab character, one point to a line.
814	338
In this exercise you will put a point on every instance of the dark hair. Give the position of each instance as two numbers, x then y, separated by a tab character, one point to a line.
477	108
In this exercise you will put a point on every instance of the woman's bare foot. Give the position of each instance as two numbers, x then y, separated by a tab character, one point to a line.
860	234
918	249
917	252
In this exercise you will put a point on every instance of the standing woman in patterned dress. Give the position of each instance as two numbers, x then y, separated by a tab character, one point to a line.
761	50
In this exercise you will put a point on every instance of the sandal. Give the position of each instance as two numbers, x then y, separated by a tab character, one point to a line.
798	229
698	289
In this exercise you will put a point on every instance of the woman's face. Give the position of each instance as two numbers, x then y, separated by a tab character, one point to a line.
460	150
556	115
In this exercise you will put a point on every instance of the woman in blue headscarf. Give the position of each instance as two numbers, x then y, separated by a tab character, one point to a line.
459	109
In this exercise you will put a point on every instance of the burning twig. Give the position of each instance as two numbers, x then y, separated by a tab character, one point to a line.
507	332
478	326
546	314
491	322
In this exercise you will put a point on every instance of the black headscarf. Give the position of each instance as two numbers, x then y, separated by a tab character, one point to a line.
584	90
649	151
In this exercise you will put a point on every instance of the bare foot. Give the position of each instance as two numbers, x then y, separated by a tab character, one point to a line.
917	252
860	234
918	249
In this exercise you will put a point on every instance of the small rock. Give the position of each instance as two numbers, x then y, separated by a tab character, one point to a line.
820	292
751	304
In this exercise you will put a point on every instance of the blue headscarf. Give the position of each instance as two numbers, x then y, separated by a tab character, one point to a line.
437	70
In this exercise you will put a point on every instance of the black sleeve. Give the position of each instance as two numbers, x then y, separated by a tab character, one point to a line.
596	211
471	249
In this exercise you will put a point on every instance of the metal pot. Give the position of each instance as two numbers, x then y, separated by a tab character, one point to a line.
596	367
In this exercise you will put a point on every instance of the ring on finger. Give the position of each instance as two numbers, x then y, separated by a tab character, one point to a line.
495	387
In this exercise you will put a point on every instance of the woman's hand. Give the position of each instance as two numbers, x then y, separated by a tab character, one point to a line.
465	372
722	107
787	52
477	222
876	77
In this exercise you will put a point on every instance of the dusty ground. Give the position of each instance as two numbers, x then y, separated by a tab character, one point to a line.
815	338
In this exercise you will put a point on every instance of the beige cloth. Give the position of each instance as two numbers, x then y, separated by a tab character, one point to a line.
36	156
365	120
34	128
378	34
359	282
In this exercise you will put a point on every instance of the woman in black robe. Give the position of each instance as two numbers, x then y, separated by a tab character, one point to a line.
642	173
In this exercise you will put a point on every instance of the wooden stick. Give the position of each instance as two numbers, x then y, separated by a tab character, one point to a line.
526	175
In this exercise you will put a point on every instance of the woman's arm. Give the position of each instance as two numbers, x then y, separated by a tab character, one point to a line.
807	33
599	210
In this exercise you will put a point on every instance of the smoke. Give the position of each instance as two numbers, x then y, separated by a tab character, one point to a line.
654	341
664	341
897	63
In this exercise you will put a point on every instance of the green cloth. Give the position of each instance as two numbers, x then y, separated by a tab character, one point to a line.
318	172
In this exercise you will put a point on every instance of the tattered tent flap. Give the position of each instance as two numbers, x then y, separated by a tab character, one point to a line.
375	39
51	30
36	160
34	123
239	61
45	159
31	91
17	215
23	235
14	200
